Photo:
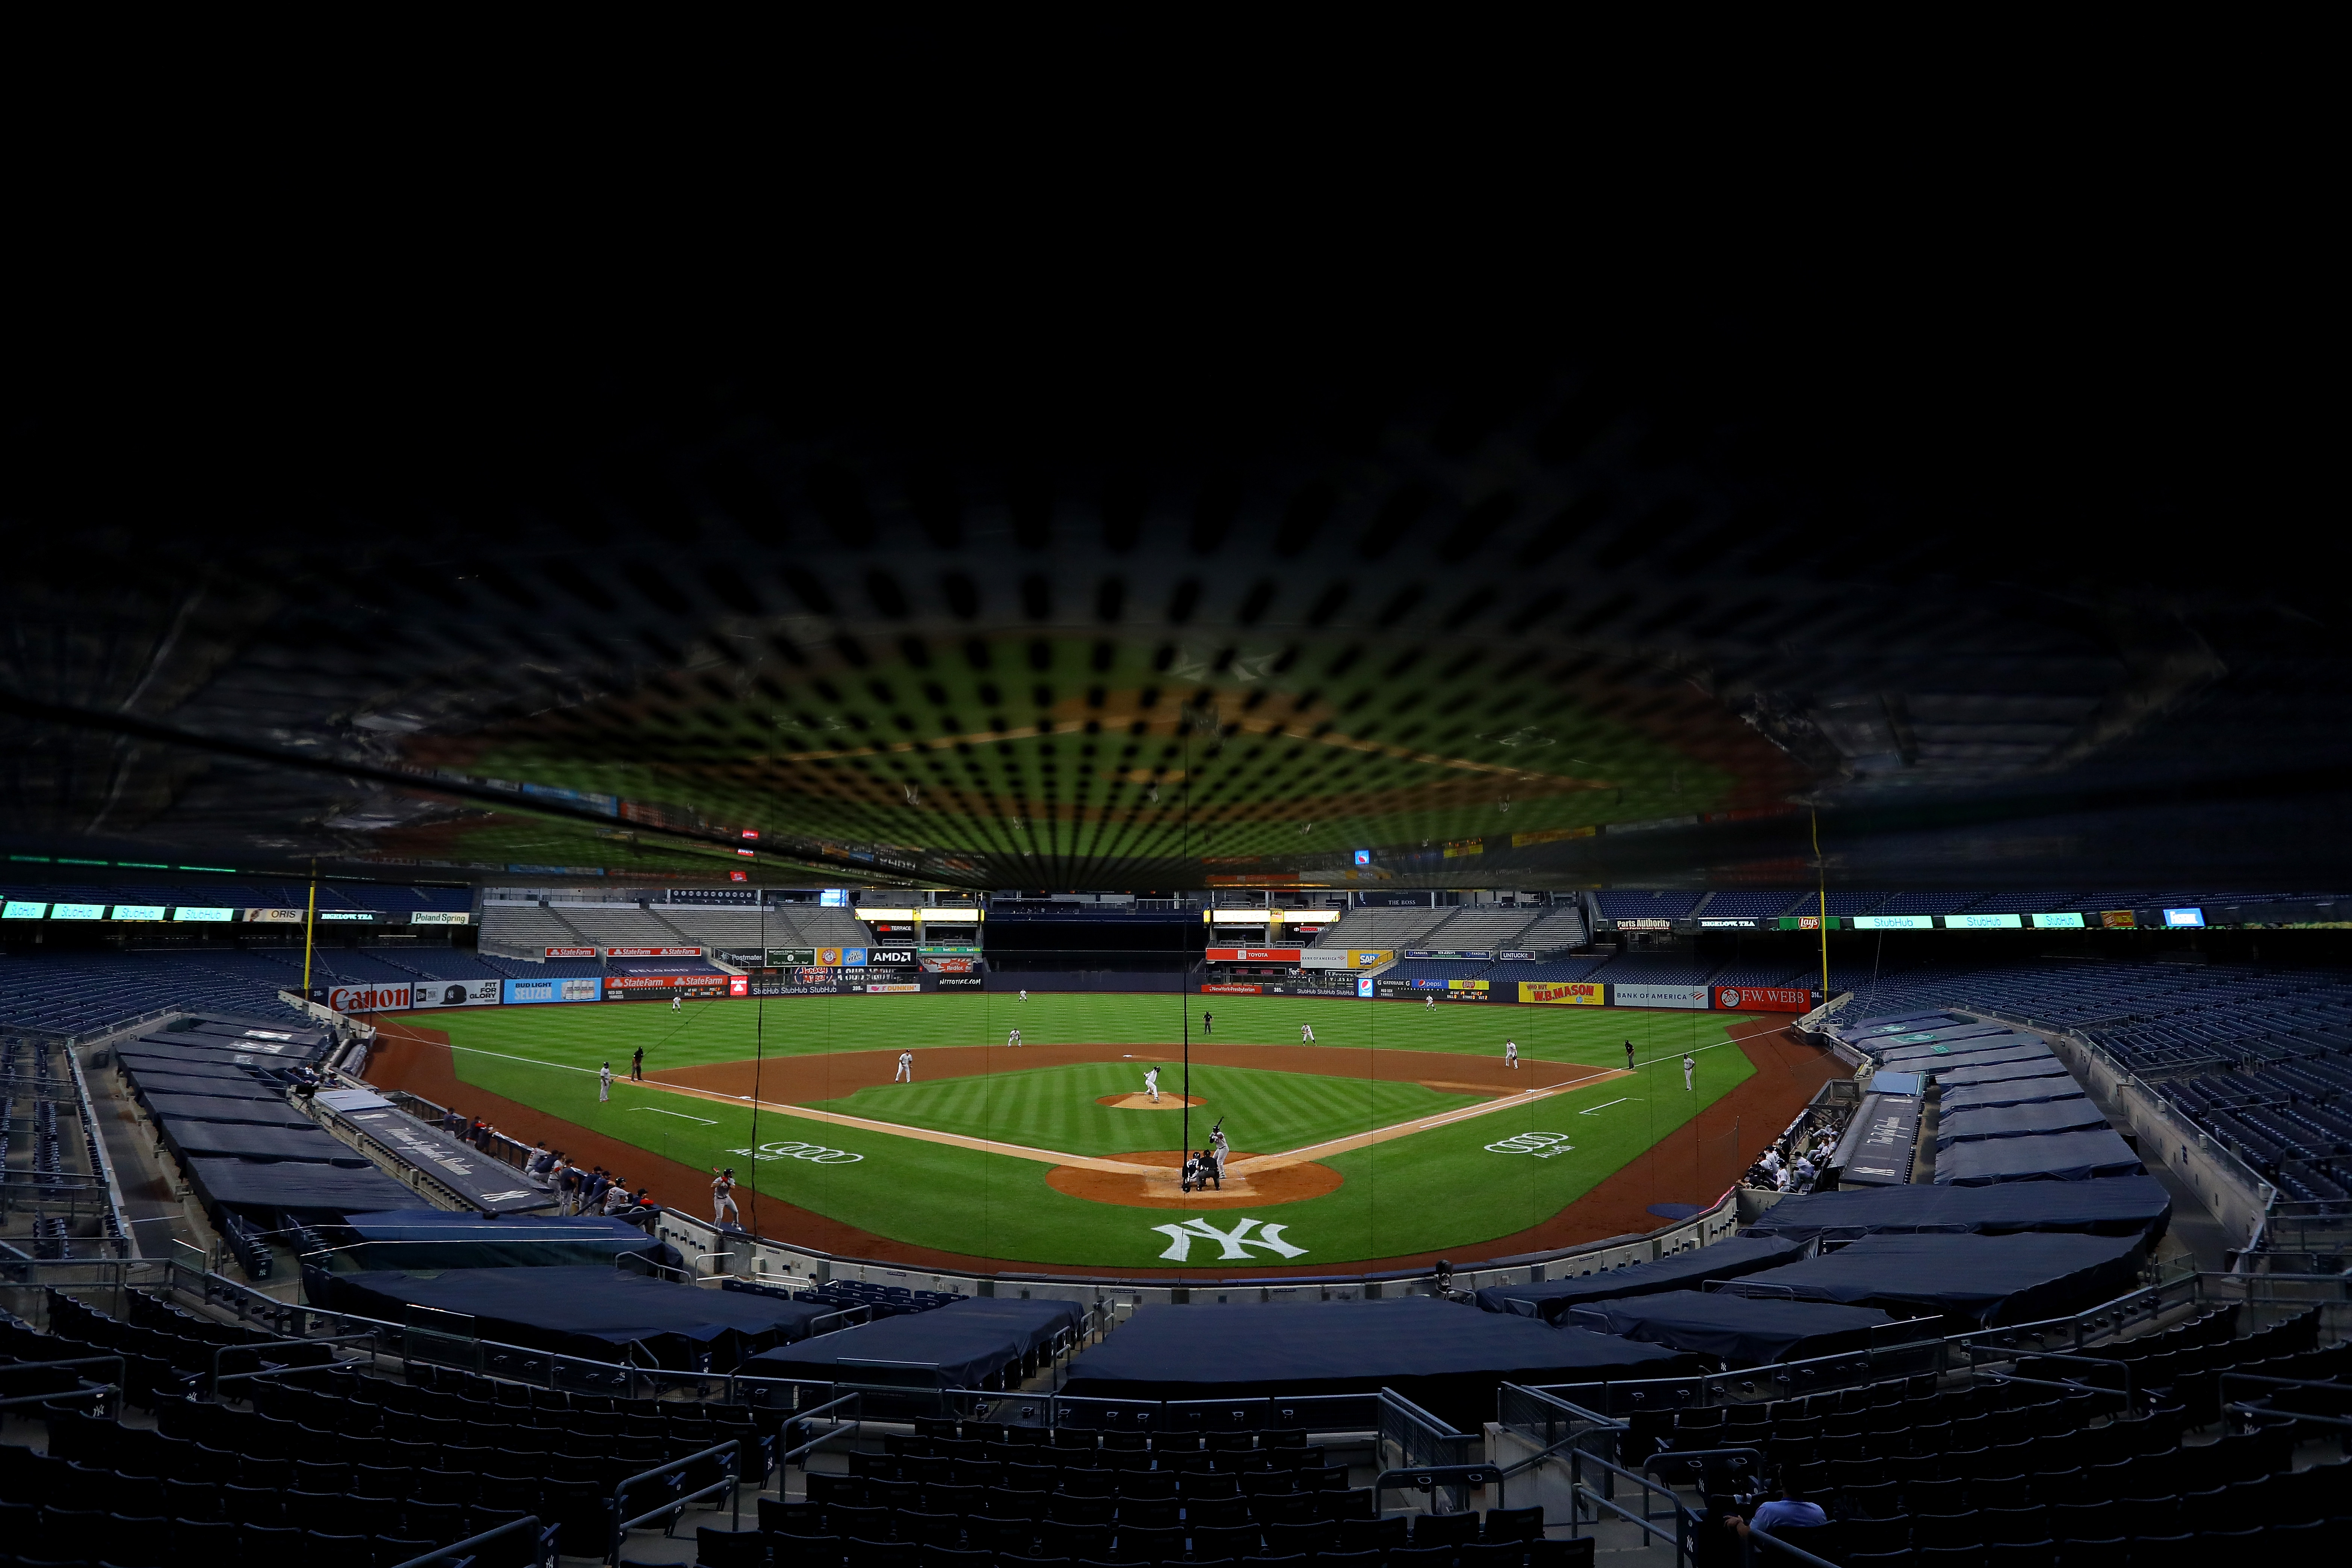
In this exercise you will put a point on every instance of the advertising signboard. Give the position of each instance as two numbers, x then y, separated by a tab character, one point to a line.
1515	958
1224	988
1466	986
1363	985
2184	917
1722	922
1253	955
2071	920
894	987
788	983
948	965
711	896
571	952
139	911
1894	922
93	912
954	981
441	918
572	988
652	953
1343	957
274	917
492	1186
1682	996
1764	998
383	998
661	987
23	909
1564	992
739	986
1882	1155
786	957
886	955
455	992
185	913
1644	922
1984	923
2119	919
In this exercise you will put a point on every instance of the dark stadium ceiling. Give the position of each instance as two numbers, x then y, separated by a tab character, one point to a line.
1620	613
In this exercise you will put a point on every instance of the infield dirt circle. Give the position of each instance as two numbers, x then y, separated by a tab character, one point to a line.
1145	1102
1268	1184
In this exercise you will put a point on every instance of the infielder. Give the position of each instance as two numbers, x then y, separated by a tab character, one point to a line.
1152	1083
1511	1053
1306	1034
1628	1055
1205	1019
722	1197
906	1073
1012	1037
604	1084
1025	995
1690	1066
677	1001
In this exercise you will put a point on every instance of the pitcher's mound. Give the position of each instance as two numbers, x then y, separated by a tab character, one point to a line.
1274	1184
1145	1102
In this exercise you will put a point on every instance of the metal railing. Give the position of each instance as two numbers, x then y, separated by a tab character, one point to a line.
467	1550
730	1457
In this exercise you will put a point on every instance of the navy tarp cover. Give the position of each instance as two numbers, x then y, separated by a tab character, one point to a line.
481	1180
239	1088
593	1311
1446	1358
2006	1049
1734	1329
1684	1271
140	1064
2018	1121
2001	1072
1883	1045
954	1346
243	1140
222	1048
2028	1091
217	1108
244	1184
1981	1279
2118	1206
2050	1157
1899	1023
436	1238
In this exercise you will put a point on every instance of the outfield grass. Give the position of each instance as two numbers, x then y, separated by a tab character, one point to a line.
727	1031
1441	1189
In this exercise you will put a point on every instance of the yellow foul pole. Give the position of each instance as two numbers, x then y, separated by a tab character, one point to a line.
310	920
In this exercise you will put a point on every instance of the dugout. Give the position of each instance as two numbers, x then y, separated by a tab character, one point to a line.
1974	1281
1690	1270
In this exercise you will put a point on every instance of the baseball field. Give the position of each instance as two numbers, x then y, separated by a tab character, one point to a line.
1398	1130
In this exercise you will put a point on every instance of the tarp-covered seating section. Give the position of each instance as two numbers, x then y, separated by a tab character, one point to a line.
2018	1122
1687	1270
416	1238
2119	1205
2050	1157
1446	1358
980	1341
1737	1331
590	1311
1973	1281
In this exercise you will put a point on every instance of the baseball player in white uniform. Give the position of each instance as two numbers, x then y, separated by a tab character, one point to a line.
1511	1053
1306	1034
906	1073
1025	995
722	1197
1218	1145
1152	1083
1690	1066
1429	1001
1012	1037
604	1084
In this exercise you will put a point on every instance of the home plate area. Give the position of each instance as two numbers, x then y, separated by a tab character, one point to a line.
1161	1187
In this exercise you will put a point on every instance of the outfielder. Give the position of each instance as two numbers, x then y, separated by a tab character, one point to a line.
1690	1066
906	1073
1429	1001
1152	1083
1511	1053
1306	1034
677	1001
1012	1037
604	1084
1025	995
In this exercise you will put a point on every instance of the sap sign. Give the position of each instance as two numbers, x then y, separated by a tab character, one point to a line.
576	988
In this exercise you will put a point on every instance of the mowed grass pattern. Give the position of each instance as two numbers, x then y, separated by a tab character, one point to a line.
1443	1189
1056	1108
584	1035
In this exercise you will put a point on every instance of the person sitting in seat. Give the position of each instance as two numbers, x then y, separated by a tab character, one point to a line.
1778	1511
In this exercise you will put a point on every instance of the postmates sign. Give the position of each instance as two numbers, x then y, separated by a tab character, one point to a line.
1565	993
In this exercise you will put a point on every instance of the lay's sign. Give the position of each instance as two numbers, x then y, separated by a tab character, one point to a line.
1565	993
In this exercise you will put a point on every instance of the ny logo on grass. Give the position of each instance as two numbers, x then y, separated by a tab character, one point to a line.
1236	1242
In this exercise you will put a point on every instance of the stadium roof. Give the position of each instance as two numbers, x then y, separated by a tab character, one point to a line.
1581	612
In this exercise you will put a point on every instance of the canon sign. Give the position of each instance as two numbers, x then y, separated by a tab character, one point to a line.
368	998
